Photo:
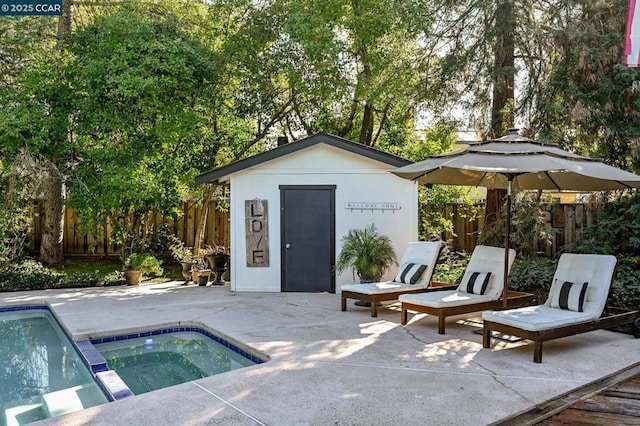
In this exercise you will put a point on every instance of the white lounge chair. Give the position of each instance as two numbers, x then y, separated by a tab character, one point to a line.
421	253
571	308
480	289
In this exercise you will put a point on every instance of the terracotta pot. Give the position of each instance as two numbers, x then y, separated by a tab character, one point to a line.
132	276
203	277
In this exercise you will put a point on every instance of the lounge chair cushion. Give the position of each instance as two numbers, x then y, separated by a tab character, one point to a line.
377	288
595	269
537	318
491	259
443	299
483	258
474	282
568	295
410	273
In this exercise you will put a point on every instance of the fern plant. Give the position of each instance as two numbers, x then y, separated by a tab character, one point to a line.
368	254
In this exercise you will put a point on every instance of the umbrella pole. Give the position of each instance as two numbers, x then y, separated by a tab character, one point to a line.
507	231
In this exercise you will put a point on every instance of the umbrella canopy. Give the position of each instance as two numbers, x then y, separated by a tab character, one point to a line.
517	162
528	164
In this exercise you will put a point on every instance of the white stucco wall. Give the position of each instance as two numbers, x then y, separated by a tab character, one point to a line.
357	179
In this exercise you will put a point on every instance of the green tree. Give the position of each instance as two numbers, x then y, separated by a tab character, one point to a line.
348	69
23	38
35	129
439	139
143	88
121	116
588	101
35	119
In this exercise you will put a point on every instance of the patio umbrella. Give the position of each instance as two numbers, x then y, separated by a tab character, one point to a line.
514	162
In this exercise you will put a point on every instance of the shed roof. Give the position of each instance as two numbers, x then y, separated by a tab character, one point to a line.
322	137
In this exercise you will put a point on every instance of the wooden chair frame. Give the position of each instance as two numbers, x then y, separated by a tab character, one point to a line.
514	299
614	318
381	297
611	317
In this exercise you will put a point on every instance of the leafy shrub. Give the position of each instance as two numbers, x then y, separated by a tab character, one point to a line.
529	228
626	287
451	269
616	230
163	242
28	275
145	262
32	275
14	220
91	279
533	276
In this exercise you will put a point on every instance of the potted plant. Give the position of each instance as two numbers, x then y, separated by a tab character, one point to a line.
368	254
137	264
218	257
184	255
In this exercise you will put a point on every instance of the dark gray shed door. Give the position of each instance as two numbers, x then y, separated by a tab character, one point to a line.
308	237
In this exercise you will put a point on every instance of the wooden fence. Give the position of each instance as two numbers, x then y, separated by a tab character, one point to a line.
566	220
98	243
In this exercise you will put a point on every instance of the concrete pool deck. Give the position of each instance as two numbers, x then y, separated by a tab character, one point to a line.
327	366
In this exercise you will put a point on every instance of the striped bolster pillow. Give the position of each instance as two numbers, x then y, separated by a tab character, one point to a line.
475	282
409	273
568	295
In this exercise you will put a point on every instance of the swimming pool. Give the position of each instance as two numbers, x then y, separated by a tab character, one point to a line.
41	373
162	358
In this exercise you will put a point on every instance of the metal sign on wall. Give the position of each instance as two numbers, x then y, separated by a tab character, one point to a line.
30	7
257	232
360	205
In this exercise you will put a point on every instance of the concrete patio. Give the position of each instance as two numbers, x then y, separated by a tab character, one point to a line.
327	366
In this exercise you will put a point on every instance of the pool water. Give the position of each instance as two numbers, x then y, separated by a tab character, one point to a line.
41	373
154	362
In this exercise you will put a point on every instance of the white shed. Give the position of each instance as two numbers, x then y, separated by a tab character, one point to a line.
291	206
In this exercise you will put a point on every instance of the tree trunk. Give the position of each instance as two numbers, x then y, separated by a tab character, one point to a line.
51	251
366	131
207	194
64	23
502	114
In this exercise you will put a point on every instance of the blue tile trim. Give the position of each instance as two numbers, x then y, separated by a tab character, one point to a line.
92	357
249	356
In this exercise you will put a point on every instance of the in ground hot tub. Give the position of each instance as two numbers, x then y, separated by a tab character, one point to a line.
161	358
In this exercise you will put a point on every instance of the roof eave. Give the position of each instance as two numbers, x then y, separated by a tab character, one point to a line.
218	174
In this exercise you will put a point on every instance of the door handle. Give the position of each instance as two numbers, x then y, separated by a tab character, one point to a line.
287	245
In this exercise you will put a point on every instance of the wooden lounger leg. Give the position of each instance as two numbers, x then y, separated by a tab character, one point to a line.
403	315
537	352
344	303
486	337
441	318
374	307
